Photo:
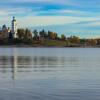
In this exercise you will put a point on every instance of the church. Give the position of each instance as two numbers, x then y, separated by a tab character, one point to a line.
7	32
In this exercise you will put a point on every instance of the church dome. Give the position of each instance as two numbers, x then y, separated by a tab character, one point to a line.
14	19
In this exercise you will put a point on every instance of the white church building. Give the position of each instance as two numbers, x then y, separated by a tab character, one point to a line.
14	27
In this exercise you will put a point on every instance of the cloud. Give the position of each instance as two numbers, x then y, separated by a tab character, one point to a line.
76	3
66	12
53	20
20	11
39	1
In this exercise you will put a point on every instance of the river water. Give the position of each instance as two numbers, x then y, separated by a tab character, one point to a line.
49	73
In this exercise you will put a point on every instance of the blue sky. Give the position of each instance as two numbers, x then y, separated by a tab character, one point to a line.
71	17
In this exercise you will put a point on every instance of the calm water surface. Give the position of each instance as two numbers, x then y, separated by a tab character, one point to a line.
49	74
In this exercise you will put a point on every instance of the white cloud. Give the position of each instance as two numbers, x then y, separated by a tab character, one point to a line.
61	2
51	20
52	1
15	11
65	12
36	11
93	24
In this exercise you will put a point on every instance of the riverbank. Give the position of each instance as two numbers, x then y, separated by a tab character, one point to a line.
28	46
48	43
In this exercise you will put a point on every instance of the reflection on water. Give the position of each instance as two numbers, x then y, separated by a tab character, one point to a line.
16	64
49	74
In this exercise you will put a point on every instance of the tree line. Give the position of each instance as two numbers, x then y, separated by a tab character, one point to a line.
47	38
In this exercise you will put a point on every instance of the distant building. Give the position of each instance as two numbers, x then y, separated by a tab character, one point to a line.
14	27
4	32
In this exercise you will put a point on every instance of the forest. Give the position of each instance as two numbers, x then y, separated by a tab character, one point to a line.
35	38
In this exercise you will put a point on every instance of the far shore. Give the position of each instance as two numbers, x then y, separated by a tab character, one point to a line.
30	46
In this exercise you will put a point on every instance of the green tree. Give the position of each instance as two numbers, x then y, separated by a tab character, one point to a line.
52	35
28	34
74	40
63	37
21	33
98	41
35	33
24	33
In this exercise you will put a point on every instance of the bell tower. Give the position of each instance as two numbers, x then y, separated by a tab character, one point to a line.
14	27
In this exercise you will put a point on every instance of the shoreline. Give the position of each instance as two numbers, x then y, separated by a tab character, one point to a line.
31	46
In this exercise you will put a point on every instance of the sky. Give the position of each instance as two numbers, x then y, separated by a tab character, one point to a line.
70	17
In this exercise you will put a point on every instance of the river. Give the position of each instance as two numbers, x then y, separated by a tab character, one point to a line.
49	73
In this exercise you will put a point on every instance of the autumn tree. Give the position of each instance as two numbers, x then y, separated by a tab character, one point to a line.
28	34
52	35
21	33
63	37
91	42
24	33
74	40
